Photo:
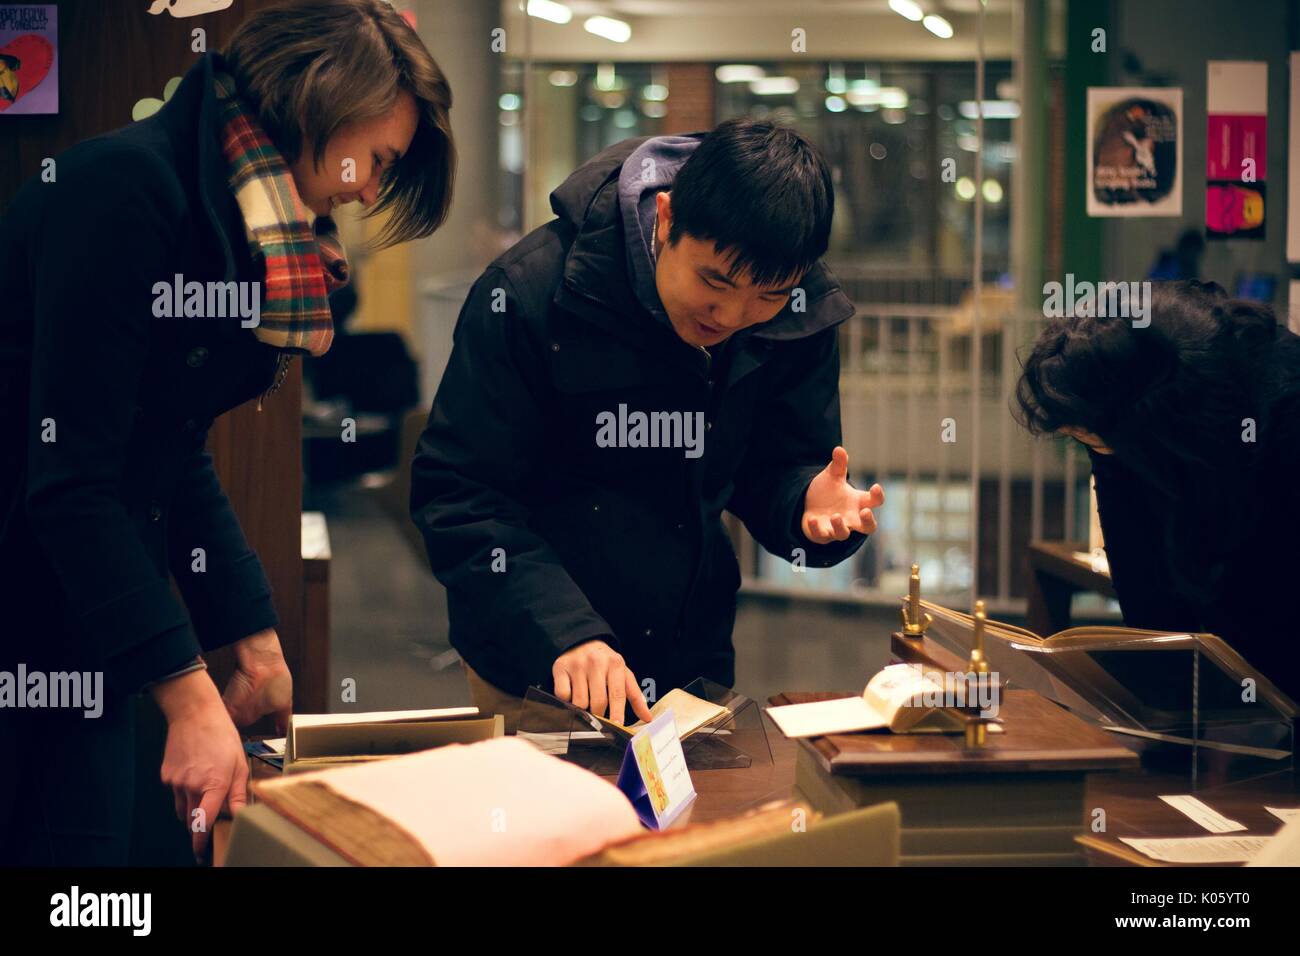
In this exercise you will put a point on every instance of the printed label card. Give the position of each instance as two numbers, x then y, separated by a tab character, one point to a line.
654	775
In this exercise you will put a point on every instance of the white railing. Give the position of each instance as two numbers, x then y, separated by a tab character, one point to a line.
906	387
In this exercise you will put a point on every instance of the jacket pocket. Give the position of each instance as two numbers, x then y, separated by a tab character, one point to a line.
579	365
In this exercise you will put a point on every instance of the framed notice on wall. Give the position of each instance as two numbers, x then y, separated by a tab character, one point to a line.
1135	151
29	48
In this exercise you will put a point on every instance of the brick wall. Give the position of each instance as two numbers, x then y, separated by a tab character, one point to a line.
690	98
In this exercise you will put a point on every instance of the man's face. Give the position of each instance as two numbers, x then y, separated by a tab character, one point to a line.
703	304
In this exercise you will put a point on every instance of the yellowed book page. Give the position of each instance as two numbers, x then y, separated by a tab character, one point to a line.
1283	848
1212	849
314	721
1010	632
843	715
897	686
1007	632
382	717
500	802
690	713
887	693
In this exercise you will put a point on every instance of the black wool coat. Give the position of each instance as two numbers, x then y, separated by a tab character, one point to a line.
93	523
1252	608
545	538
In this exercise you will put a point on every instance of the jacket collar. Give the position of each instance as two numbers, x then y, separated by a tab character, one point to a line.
190	121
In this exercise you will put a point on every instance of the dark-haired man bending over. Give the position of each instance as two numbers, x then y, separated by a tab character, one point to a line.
665	349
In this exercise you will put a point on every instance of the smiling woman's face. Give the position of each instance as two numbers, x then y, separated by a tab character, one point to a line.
373	146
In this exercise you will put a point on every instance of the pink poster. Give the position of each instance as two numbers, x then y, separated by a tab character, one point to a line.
1236	153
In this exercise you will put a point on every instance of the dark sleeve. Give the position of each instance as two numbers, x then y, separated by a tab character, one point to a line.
1134	535
795	431
484	441
106	240
227	593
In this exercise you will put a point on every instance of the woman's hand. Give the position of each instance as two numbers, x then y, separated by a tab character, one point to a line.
261	683
204	762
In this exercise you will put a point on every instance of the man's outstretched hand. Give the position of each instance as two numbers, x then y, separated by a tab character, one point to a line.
832	508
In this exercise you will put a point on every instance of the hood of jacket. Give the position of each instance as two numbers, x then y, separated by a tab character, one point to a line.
599	204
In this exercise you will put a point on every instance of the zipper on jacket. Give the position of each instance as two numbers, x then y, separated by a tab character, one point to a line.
281	372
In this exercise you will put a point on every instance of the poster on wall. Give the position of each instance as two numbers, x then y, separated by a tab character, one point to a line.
1236	105
1135	151
1293	166
188	8
29	68
1293	192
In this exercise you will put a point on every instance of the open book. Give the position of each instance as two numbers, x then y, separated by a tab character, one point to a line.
451	806
690	713
899	697
1159	685
317	740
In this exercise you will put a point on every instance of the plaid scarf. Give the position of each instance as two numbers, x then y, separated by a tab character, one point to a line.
304	260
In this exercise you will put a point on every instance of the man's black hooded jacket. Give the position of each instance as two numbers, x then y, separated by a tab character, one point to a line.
545	538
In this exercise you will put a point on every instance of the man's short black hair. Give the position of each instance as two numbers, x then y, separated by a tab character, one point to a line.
762	193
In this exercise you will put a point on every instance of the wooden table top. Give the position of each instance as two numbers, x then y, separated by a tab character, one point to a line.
725	793
1037	736
1236	788
720	793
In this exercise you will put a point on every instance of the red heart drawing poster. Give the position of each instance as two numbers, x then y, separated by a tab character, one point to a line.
29	79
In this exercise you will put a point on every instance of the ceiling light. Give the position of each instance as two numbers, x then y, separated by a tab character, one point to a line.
993	109
620	31
739	73
938	26
774	86
906	8
549	10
